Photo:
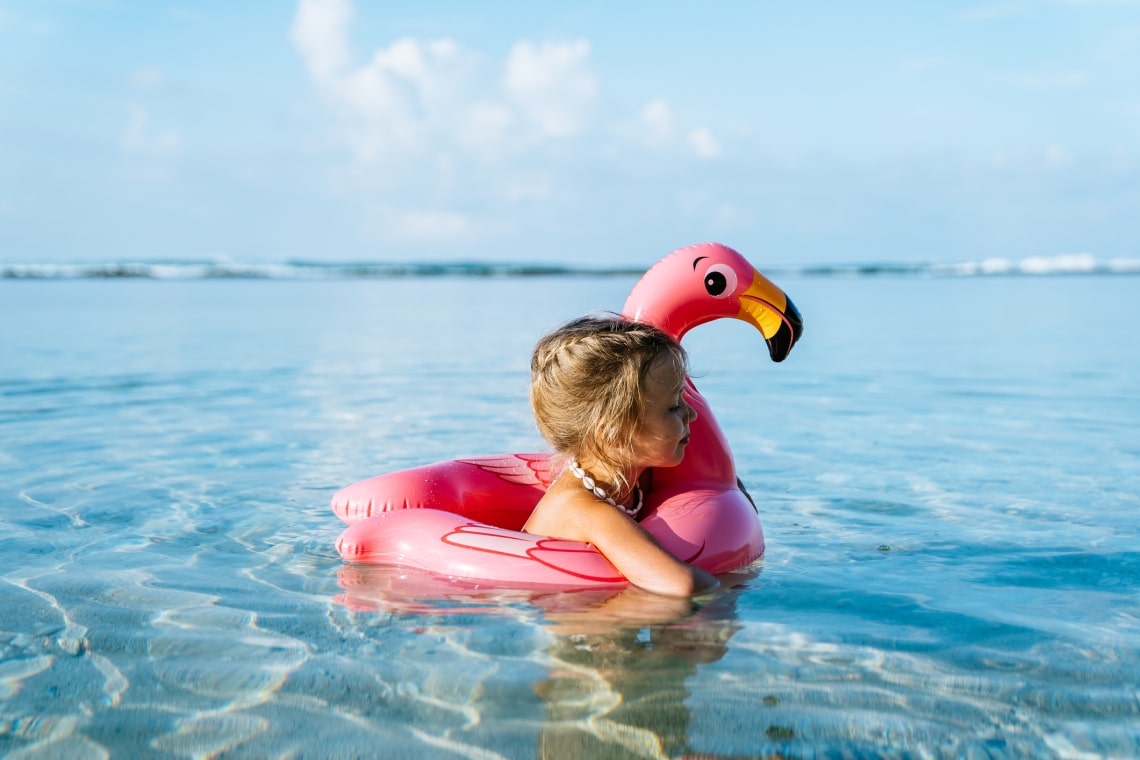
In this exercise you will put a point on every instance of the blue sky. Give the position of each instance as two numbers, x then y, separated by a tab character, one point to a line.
800	133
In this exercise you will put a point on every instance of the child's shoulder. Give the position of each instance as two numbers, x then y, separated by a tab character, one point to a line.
571	513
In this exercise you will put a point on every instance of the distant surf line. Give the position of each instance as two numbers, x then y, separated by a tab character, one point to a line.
1034	266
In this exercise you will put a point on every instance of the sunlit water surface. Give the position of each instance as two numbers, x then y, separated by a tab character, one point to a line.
947	470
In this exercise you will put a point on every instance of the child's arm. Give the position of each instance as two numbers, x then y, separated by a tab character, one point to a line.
637	555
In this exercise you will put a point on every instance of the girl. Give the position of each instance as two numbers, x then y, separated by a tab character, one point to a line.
606	394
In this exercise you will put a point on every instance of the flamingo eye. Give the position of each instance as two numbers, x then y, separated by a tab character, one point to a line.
720	281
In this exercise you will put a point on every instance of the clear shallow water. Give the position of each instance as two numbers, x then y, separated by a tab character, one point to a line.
948	473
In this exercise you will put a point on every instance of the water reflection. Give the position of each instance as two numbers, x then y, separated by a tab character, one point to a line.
617	661
617	685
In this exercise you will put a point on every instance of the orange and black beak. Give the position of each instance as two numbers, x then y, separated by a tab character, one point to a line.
770	311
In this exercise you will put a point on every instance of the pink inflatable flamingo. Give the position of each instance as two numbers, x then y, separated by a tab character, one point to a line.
461	518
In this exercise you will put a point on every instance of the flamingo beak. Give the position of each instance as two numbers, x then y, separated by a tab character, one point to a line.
769	310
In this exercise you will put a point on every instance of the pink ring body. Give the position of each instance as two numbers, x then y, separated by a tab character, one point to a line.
717	530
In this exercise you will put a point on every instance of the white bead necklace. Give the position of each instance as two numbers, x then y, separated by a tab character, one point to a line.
592	487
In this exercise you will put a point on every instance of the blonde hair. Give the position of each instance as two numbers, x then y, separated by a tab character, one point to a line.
588	389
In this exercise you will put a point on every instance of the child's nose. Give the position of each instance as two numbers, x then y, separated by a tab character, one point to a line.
690	412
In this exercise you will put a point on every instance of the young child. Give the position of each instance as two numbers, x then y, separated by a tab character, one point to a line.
606	394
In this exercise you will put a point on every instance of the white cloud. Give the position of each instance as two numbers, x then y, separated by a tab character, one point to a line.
409	97
657	118
406	92
141	139
432	128
485	127
552	84
320	33
416	96
703	143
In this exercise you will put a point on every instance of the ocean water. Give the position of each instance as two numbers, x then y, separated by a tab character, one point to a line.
947	469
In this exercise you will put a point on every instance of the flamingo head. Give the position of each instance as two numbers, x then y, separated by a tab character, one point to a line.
709	281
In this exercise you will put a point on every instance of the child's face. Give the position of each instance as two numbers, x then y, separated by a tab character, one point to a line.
665	426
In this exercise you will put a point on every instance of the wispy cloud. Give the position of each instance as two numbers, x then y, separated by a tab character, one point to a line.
658	130
657	119
703	143
552	85
140	138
